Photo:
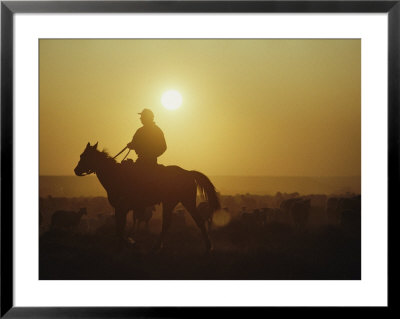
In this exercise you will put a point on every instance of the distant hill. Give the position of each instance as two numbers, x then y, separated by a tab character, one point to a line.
73	186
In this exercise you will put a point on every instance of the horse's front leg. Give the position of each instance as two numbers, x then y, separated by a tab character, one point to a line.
166	222
120	221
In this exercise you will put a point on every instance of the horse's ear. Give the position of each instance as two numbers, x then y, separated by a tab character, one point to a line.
88	144
95	146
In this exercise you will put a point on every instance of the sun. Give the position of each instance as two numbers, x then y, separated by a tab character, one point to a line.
171	99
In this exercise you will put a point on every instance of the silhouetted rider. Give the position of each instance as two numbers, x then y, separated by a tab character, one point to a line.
148	141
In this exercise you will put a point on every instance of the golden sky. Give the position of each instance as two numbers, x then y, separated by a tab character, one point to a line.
250	107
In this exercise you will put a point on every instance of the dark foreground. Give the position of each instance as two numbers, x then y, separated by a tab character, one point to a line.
274	251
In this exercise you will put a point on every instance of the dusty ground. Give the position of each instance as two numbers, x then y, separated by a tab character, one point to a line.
275	251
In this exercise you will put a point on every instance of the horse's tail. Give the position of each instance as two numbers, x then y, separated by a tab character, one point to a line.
207	189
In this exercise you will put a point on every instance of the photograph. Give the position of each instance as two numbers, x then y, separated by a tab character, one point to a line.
199	159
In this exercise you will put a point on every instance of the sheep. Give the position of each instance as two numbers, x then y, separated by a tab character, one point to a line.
351	220
286	207
276	214
350	213
63	219
40	218
300	211
317	200
248	218
335	207
254	218
178	218
351	203
268	213
260	216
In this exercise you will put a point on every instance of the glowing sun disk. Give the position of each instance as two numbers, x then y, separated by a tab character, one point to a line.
171	100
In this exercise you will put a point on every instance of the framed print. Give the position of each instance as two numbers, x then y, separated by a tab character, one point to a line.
164	155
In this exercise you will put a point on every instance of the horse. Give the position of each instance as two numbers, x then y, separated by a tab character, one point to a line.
135	187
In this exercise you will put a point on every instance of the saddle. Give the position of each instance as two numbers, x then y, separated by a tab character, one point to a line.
142	177
127	163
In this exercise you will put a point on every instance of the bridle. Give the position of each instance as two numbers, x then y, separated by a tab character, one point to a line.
93	172
88	173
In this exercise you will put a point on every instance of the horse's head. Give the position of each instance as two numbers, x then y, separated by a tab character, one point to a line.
86	164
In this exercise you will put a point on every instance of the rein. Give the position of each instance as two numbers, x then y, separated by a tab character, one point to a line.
126	155
123	151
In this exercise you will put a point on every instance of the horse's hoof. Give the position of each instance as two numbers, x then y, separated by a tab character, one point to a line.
131	241
127	242
157	248
158	251
209	250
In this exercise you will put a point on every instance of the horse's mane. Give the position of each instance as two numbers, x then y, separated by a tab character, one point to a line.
104	156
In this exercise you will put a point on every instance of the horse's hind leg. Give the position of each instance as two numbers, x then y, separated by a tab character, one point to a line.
200	222
209	223
134	221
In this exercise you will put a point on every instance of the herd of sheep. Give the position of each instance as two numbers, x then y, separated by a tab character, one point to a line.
344	211
339	211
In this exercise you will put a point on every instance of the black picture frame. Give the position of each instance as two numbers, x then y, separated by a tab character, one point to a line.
9	8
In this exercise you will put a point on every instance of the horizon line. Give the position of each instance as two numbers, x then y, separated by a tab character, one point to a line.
319	176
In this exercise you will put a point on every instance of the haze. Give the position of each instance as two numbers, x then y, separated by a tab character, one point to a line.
250	107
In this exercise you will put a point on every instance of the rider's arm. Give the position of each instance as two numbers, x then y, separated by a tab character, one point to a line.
132	144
